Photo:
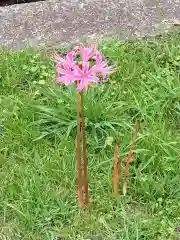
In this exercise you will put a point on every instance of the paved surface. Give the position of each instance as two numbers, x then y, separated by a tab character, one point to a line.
56	22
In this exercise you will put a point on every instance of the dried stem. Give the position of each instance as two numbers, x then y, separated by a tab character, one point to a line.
79	162
116	169
84	153
130	157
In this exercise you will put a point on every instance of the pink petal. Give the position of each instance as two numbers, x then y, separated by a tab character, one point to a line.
70	57
98	58
93	79
87	53
78	71
64	79
61	70
85	67
84	52
58	58
60	79
66	65
81	86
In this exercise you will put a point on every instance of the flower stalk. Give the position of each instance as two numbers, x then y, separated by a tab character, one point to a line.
79	160
86	188
117	169
83	67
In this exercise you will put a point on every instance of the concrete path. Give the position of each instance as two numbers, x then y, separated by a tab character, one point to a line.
53	22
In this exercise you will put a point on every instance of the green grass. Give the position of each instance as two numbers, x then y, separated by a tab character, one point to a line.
38	178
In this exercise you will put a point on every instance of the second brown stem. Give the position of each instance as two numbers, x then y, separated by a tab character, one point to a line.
130	157
86	188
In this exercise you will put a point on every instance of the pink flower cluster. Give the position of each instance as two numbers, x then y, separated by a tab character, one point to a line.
82	66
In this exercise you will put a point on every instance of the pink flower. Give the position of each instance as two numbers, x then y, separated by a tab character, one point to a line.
67	77
82	67
65	68
86	53
85	76
67	62
101	66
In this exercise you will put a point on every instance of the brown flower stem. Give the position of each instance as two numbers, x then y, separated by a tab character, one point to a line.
130	157
84	152
79	162
117	169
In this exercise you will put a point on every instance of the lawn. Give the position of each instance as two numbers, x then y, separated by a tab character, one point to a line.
38	177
